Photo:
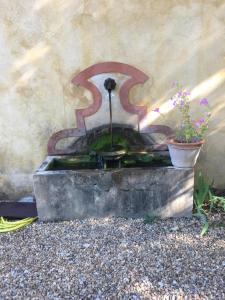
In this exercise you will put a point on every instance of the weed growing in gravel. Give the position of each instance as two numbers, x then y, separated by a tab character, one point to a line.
150	219
206	202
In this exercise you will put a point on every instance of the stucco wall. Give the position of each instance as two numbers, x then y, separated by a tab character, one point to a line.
43	43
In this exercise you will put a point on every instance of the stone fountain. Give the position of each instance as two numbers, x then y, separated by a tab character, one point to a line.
114	168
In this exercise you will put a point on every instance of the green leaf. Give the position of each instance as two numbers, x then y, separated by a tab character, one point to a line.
205	229
150	219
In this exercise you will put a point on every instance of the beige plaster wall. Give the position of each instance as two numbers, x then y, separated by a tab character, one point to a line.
43	43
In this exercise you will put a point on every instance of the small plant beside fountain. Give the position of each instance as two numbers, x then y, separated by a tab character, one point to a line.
186	145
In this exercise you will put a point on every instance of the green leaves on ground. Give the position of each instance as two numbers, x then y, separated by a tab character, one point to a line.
205	201
150	219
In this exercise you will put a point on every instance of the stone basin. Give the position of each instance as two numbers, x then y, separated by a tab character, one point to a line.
126	192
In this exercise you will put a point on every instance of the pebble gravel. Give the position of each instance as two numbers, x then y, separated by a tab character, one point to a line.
113	258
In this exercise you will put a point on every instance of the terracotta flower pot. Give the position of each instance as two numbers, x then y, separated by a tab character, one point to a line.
184	155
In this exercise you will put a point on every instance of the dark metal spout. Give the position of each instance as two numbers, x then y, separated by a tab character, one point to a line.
110	85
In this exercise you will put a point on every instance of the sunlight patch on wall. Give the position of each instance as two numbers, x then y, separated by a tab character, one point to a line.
58	4
24	79
208	85
32	55
203	89
41	3
153	116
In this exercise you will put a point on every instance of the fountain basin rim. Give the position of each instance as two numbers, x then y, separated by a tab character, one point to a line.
44	167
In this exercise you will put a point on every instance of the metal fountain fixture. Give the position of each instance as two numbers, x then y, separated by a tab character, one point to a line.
114	152
110	85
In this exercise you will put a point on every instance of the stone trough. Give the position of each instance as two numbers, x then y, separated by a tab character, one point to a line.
68	193
132	192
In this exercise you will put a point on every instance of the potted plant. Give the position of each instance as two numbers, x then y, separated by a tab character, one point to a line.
185	146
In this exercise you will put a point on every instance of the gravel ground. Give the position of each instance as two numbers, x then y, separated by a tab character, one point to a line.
113	259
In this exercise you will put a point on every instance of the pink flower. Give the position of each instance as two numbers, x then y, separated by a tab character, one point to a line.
199	122
175	83
156	109
186	93
181	103
204	101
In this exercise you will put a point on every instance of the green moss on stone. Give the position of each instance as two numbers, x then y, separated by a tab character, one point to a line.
104	141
